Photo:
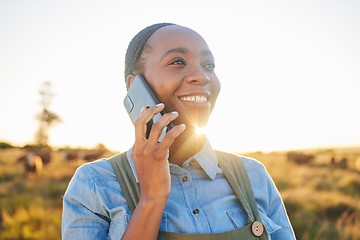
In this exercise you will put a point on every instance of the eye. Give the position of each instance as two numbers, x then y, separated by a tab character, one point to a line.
210	66
177	61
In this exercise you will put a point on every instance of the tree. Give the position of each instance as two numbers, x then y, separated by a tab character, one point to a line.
46	117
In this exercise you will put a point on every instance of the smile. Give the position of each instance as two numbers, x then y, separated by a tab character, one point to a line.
199	99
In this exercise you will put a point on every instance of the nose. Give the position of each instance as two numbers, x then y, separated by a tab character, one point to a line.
197	76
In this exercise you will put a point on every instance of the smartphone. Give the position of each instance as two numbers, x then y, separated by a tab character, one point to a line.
140	95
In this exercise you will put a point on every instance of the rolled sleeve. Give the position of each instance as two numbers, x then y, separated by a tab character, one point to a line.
277	213
83	215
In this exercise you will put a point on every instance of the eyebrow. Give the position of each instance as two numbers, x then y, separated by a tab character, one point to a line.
175	50
207	52
185	50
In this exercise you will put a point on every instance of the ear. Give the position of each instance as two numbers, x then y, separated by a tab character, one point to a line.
129	80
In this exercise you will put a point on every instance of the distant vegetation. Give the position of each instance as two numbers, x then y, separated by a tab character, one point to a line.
322	198
4	145
321	195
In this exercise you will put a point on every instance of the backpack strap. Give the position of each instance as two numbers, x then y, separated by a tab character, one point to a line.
129	187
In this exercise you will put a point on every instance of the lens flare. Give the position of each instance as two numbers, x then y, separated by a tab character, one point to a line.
200	130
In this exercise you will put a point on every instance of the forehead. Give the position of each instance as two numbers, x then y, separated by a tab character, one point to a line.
171	37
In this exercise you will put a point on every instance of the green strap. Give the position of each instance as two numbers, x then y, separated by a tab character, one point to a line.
243	233
129	187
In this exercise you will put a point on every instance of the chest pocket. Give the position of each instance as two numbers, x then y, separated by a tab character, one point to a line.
237	218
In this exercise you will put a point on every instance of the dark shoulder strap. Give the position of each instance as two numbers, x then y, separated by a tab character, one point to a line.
124	174
235	172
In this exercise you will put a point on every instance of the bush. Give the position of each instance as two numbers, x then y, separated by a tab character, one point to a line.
4	145
34	222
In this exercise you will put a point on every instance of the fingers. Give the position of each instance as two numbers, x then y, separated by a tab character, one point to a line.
156	129
145	116
160	124
171	135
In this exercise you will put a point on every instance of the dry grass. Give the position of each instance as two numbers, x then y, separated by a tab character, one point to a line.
31	208
322	201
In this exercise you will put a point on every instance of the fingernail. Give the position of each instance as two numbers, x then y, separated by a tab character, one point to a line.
143	109
175	112
183	126
159	104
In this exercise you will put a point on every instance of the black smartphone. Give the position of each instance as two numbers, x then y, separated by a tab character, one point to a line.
140	95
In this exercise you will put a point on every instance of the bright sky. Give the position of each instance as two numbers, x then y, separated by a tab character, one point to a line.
290	70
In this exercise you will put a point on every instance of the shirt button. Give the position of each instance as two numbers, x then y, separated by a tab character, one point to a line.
191	162
257	228
196	211
184	178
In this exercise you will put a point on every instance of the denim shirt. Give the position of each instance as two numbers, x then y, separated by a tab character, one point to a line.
201	200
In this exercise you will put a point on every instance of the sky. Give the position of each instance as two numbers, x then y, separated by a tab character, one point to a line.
290	70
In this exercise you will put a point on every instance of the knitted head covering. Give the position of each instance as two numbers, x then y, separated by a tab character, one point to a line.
136	46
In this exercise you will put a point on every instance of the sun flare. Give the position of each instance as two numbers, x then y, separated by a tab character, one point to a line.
200	130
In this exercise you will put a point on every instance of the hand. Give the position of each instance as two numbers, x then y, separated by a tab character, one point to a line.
151	157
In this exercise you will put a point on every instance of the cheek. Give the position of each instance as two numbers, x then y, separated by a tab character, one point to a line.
216	86
164	91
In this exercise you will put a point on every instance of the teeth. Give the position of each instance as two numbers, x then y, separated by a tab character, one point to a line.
199	99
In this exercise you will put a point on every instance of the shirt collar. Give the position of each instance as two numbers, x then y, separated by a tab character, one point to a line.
206	158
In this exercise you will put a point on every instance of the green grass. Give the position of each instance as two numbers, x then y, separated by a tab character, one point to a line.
322	201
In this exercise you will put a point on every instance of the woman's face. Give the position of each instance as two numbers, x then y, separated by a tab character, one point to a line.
179	67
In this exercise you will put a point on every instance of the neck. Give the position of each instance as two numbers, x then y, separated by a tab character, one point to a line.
185	146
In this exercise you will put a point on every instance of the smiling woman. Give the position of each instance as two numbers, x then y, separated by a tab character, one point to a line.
179	188
182	75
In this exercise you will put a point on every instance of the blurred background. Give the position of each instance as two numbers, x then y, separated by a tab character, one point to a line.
290	75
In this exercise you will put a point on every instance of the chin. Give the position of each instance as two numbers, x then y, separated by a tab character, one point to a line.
202	124
199	122
195	119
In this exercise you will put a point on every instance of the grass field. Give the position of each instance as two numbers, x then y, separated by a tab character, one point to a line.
323	201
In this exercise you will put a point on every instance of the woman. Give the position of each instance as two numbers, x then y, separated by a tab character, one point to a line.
174	189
